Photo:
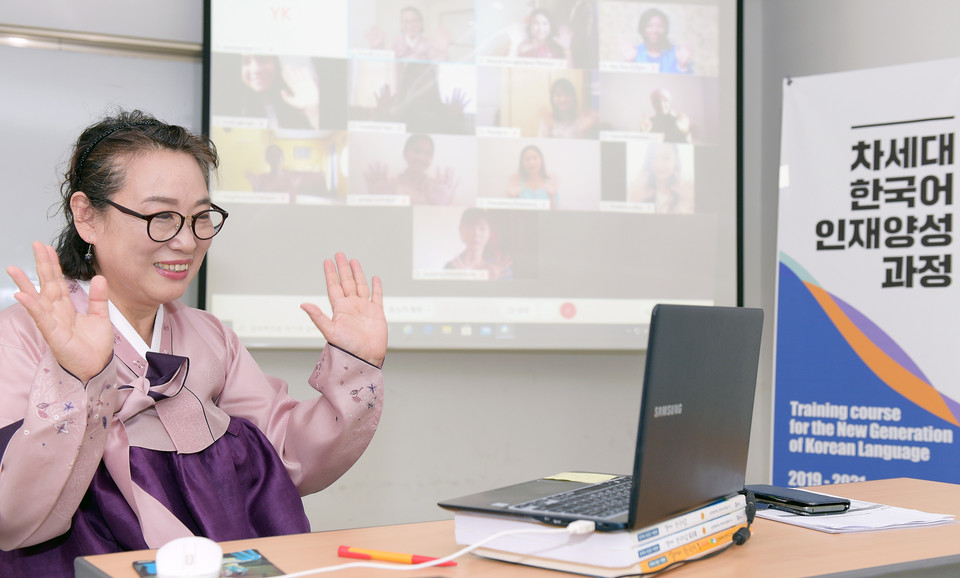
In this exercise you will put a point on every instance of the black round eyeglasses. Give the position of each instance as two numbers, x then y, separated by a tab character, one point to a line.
163	226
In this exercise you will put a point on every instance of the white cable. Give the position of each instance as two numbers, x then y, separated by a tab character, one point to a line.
578	527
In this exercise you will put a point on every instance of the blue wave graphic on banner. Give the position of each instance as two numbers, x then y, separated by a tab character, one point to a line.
876	348
818	365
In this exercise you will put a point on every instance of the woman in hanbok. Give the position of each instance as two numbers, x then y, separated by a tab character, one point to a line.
130	419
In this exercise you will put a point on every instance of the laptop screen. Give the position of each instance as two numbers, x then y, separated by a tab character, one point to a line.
695	416
696	408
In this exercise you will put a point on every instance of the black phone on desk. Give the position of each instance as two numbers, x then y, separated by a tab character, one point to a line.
797	501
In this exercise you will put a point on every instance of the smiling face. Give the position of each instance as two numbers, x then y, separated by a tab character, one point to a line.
411	23
419	154
142	274
532	162
661	101
539	27
475	233
258	72
563	99
655	31
665	162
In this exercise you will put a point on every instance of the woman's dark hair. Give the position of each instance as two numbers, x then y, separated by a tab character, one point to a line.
98	169
540	12
564	85
555	49
543	163
416	138
474	215
418	84
648	15
413	9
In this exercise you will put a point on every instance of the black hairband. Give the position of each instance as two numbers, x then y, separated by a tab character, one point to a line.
96	141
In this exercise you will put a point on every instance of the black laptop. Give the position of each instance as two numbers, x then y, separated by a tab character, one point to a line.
695	415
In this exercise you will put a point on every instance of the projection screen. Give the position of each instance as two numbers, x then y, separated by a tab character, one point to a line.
520	174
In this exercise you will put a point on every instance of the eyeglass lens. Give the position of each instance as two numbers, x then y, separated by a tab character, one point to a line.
165	226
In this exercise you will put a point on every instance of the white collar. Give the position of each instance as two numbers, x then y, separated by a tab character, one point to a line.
127	330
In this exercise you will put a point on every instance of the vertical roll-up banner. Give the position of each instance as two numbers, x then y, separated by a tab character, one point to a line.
867	382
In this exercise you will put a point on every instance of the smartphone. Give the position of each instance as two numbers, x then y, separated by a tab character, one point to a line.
797	501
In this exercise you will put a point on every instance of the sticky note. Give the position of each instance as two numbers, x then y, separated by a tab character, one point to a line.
584	477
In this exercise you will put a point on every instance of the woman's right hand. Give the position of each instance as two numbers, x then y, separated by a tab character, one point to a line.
646	123
552	184
378	180
514	186
442	187
498	268
683	58
384	100
628	48
546	122
81	343
376	38
458	101
302	91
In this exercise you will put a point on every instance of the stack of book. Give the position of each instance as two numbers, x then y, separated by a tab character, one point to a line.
676	539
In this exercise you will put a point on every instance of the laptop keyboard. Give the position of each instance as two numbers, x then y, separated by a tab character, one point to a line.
603	500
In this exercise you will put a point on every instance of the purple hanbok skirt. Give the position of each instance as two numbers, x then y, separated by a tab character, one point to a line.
236	488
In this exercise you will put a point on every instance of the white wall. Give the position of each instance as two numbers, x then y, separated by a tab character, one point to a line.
178	20
459	421
47	97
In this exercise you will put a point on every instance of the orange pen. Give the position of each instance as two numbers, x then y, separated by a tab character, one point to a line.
363	554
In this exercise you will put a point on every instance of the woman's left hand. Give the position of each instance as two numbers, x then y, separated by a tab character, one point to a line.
302	92
458	101
357	324
443	186
384	99
552	184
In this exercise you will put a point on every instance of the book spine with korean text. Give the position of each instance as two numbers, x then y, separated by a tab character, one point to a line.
710	527
609	549
677	523
691	550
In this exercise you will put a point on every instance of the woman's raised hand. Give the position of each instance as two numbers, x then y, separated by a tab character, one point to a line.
302	92
458	101
442	186
378	180
81	343
384	98
357	324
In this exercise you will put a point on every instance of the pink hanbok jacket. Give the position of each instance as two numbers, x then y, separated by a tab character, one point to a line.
57	429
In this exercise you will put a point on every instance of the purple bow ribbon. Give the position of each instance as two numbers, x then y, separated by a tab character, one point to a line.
164	374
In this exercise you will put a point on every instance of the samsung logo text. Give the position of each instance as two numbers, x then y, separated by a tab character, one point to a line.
668	410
